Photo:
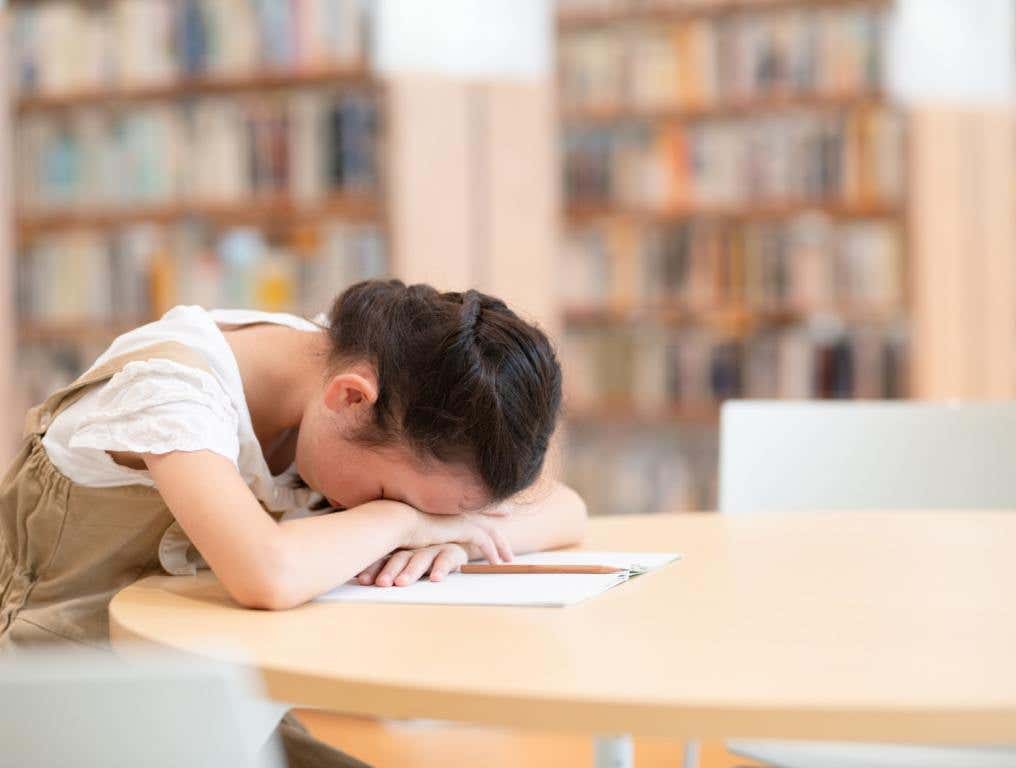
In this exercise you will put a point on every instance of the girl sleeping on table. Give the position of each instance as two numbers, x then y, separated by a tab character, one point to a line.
385	444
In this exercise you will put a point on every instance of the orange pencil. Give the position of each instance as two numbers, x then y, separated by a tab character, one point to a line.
523	568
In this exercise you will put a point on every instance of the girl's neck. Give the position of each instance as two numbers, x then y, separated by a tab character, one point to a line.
282	368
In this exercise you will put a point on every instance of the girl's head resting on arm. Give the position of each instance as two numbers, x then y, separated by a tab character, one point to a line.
444	401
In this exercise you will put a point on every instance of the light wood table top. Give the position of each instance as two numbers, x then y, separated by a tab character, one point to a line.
876	626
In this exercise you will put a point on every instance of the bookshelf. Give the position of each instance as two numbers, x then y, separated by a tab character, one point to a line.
734	225
218	152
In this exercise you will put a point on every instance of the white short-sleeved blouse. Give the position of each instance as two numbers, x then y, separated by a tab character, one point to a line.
158	406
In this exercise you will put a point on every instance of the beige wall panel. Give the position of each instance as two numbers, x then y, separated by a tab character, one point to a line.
429	188
522	213
964	266
999	300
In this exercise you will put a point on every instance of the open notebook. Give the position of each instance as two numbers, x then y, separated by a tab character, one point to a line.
514	589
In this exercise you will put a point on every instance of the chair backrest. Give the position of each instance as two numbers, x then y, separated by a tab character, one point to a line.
95	710
821	455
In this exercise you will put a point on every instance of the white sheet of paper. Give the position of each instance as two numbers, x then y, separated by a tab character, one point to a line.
525	589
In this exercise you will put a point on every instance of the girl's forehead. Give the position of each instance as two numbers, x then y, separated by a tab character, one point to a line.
445	489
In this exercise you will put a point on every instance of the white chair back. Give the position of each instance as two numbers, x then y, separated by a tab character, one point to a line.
95	710
821	455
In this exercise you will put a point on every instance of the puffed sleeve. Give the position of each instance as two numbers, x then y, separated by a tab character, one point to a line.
159	406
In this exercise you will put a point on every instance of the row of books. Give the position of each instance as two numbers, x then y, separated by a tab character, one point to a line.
854	157
652	368
702	62
66	46
139	272
304	145
811	262
627	472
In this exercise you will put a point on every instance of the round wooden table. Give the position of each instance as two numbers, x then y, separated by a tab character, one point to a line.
897	627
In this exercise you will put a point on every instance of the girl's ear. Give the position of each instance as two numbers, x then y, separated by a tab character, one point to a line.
353	388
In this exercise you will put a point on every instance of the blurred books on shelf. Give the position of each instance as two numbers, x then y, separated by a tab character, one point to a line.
210	151
699	62
69	47
651	373
86	287
734	195
634	473
850	158
225	153
806	264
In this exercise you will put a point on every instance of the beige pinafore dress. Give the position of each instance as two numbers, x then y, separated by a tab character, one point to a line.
67	549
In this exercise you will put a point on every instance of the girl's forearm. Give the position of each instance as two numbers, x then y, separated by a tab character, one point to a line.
318	553
557	520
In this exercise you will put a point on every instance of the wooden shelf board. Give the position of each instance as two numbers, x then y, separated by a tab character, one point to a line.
627	413
747	317
703	9
365	208
583	213
724	109
76	330
202	85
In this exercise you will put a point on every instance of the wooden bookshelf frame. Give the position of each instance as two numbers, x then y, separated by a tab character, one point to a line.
746	317
256	210
727	109
353	76
75	330
694	9
626	413
578	214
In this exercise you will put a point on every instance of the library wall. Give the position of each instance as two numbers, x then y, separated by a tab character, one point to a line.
699	200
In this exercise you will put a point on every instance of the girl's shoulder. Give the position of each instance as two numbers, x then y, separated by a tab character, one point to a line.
201	330
160	405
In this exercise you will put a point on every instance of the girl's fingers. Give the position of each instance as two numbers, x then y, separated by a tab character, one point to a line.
448	560
498	543
483	541
368	574
501	542
393	568
417	566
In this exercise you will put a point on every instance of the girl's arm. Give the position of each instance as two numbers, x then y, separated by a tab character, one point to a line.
556	520
265	564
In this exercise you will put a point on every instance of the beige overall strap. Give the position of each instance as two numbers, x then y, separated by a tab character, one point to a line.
38	419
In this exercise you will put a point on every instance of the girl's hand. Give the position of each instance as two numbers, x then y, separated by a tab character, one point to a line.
405	566
476	533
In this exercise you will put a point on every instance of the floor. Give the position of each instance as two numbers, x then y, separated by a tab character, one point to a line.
429	745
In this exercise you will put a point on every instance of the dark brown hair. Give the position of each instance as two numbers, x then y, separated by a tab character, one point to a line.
462	379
